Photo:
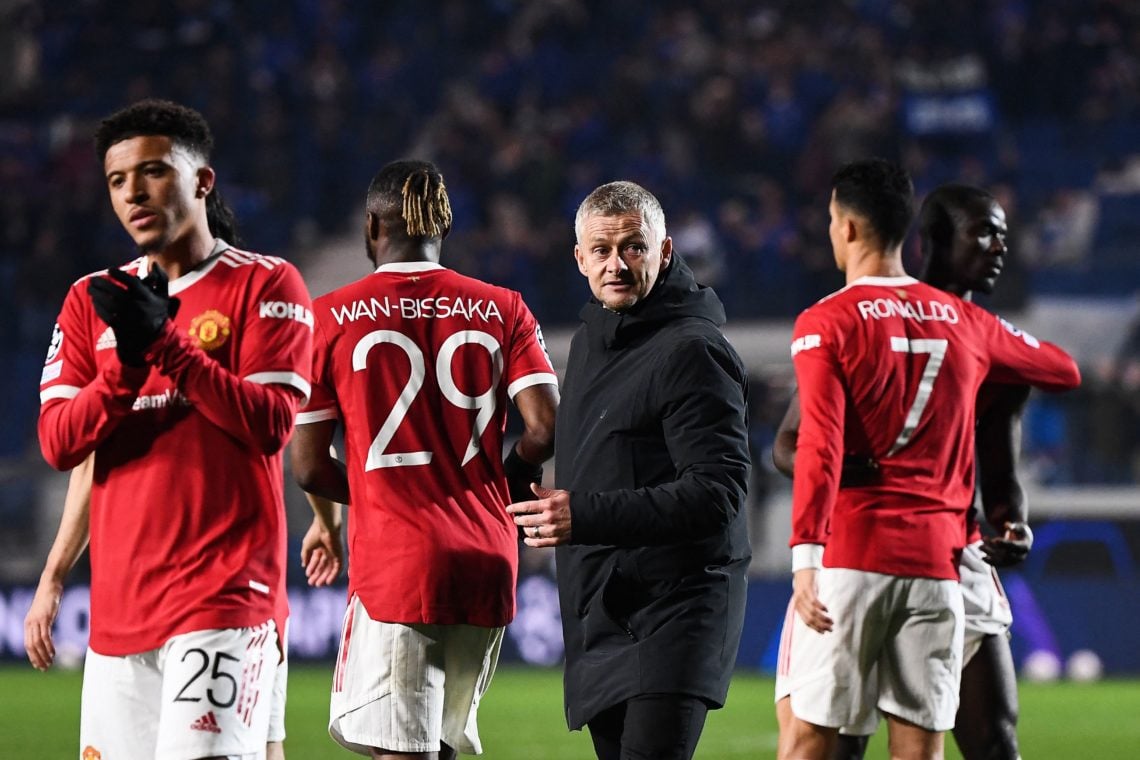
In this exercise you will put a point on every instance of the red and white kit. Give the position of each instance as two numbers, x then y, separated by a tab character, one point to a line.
187	510
870	359
395	353
889	368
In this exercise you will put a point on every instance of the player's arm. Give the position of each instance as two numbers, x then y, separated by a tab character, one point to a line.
819	452
1003	499
784	447
858	469
314	467
81	404
258	406
1017	358
70	541
538	406
322	550
258	413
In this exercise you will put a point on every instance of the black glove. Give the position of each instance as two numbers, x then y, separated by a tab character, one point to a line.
1010	548
136	311
520	474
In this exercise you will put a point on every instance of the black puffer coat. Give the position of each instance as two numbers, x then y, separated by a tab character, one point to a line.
652	443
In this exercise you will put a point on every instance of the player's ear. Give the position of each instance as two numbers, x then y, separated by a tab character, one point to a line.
666	252
372	226
579	256
851	229
206	178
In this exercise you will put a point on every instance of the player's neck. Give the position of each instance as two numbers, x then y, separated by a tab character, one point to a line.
413	252
869	262
952	287
184	254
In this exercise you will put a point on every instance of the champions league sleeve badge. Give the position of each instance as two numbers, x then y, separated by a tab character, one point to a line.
56	344
211	329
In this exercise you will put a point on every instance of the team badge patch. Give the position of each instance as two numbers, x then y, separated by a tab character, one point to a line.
90	753
56	344
211	329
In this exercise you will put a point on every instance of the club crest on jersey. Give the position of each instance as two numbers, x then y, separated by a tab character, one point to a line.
90	753
56	344
210	328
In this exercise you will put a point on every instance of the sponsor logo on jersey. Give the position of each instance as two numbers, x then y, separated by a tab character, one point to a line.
207	722
171	397
56	344
804	342
283	310
922	311
210	328
437	307
106	340
90	753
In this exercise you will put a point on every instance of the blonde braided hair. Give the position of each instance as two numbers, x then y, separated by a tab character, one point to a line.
426	211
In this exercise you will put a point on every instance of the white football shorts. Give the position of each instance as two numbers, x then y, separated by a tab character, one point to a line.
280	683
406	688
201	694
896	648
986	605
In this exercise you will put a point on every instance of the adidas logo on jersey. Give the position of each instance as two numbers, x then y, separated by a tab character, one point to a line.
207	723
106	340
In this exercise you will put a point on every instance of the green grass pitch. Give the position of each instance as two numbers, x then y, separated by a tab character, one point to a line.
521	718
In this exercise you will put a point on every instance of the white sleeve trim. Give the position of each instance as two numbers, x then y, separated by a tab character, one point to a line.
807	556
321	415
292	379
538	378
58	391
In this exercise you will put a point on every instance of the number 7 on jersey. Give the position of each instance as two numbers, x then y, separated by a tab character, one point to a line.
936	348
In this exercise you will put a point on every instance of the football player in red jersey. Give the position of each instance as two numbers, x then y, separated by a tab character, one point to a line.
962	230
417	363
888	369
70	541
182	372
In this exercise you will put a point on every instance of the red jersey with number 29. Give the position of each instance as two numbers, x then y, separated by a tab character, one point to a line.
418	363
890	367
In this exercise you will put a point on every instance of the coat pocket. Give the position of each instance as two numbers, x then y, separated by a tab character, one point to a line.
606	618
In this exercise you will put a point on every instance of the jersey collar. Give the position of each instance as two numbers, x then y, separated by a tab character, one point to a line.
409	266
887	282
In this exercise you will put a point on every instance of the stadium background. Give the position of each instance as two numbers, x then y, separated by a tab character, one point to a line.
733	113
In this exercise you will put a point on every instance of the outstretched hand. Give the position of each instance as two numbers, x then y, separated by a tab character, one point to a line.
136	309
544	521
1010	548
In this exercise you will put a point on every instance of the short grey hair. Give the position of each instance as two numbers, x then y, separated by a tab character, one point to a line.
621	197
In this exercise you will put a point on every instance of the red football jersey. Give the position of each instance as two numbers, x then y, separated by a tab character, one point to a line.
890	367
187	509
418	362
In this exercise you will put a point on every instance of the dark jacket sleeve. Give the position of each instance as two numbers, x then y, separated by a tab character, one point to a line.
699	389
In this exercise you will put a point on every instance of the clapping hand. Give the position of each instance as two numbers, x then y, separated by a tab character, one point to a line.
136	309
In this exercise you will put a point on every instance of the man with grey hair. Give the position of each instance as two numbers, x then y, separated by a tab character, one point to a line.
651	455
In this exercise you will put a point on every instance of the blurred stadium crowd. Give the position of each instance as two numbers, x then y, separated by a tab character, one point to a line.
734	113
